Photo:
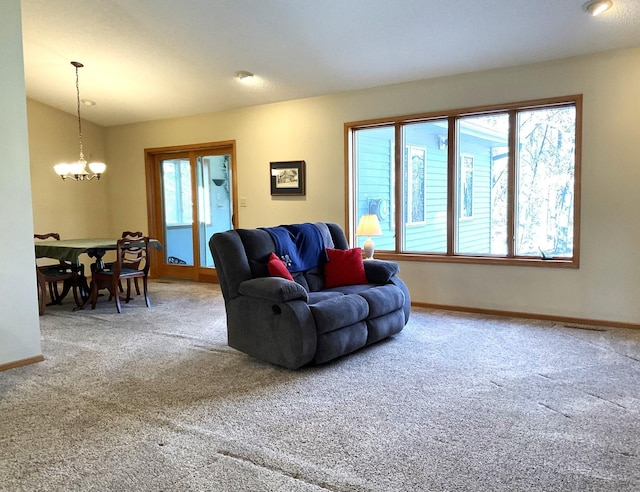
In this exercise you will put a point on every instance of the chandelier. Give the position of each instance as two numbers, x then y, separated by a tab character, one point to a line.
77	171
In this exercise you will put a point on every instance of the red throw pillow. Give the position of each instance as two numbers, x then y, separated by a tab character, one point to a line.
277	268
344	267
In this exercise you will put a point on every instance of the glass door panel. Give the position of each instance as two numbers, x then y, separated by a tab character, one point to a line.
215	210
177	204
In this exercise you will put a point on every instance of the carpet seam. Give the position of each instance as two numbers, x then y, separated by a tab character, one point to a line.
229	454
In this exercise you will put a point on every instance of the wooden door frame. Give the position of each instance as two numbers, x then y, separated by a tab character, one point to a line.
154	202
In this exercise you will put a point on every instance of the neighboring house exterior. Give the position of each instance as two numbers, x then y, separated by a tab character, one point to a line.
425	185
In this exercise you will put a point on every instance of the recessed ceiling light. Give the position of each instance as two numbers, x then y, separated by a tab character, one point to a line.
596	7
88	102
243	75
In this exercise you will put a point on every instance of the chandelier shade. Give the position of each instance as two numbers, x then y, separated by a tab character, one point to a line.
77	171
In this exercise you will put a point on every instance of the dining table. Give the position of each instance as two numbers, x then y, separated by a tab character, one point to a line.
70	250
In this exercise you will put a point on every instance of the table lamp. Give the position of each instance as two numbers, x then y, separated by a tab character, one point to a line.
369	226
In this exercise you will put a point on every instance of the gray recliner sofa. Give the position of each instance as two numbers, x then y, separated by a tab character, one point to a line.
293	324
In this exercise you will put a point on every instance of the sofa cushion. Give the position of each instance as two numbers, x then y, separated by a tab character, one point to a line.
299	277
315	279
338	312
316	297
344	267
340	342
258	246
277	268
350	289
383	299
379	271
272	288
385	326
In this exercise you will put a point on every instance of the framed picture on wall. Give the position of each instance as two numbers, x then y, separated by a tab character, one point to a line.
287	178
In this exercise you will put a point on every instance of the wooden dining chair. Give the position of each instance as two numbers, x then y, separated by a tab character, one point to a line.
110	278
133	258
50	275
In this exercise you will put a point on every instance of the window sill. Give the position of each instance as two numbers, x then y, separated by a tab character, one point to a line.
480	260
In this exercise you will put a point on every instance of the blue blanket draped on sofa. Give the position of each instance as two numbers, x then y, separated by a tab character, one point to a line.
300	246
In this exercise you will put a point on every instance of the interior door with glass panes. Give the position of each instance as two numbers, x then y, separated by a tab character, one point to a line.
197	201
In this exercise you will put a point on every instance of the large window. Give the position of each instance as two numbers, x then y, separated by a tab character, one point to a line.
497	184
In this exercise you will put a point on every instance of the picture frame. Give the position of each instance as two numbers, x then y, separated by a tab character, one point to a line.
287	178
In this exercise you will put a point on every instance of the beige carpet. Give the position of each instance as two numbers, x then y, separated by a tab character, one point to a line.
154	400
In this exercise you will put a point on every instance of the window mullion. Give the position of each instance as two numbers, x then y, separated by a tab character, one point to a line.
352	184
511	184
452	140
399	190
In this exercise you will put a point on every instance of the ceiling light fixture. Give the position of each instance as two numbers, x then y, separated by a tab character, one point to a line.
77	171
243	75
596	7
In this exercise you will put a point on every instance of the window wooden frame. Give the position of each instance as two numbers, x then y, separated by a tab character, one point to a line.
453	115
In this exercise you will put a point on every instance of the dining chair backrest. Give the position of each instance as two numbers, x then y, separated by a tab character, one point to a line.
133	255
125	248
48	235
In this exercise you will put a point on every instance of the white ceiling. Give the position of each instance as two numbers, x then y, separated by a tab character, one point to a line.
153	59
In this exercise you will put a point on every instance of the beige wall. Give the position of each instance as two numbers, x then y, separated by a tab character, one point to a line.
73	209
19	328
70	208
607	286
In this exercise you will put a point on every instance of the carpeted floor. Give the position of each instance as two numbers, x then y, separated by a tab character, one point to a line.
154	400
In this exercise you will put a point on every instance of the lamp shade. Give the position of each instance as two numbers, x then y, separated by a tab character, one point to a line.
369	226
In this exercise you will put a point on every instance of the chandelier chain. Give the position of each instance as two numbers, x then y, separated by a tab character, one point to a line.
79	119
77	171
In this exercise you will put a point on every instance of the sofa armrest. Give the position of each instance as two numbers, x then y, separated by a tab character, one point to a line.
380	271
275	289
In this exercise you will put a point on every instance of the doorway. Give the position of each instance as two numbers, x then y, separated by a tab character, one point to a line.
191	195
